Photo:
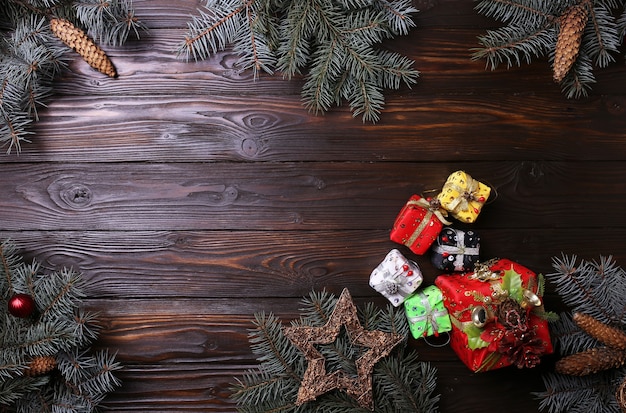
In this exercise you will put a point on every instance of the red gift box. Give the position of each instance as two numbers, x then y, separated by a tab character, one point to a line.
497	316
418	224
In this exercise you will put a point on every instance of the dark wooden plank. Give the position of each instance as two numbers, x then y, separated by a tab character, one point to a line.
185	355
415	128
206	388
302	196
249	264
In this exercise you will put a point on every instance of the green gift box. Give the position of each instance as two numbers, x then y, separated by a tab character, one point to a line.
426	313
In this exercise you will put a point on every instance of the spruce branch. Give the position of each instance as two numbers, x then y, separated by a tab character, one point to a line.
31	55
45	359
335	45
590	341
400	381
575	35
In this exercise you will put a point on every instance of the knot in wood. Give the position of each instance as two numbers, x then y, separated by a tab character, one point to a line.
77	196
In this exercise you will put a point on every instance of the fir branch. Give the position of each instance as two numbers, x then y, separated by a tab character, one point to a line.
603	37
333	42
275	352
587	394
532	30
514	45
57	328
9	259
400	381
594	288
31	56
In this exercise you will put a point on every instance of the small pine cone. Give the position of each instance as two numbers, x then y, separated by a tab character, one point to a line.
591	361
572	25
511	314
75	38
611	336
40	365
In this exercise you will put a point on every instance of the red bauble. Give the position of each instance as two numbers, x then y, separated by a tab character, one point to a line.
21	305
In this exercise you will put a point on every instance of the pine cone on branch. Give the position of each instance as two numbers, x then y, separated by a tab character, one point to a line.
610	336
571	27
40	366
591	361
76	38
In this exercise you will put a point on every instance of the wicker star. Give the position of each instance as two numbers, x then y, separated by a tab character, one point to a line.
317	380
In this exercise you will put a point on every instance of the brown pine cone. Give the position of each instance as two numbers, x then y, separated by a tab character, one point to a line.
76	38
511	314
611	336
40	366
591	361
571	27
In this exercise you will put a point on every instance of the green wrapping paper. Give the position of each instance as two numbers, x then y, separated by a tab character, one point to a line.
426	313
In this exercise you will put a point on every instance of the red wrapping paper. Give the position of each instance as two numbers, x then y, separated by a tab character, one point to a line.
416	226
459	298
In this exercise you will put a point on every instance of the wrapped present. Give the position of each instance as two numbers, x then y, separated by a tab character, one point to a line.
463	196
396	277
418	224
426	313
456	250
497	315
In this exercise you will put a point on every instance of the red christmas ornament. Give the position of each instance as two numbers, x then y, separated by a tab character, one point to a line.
21	305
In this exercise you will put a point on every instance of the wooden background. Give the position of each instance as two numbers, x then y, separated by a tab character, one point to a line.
193	197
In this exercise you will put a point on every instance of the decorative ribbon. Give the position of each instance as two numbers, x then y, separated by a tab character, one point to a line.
482	271
430	316
459	250
432	209
461	203
392	284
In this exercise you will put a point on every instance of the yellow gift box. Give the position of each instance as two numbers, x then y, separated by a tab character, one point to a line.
463	196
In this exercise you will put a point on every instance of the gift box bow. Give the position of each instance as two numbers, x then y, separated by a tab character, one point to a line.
394	282
433	207
469	190
396	277
435	317
459	249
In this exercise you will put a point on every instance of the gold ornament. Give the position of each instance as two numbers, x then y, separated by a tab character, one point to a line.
571	27
76	38
317	380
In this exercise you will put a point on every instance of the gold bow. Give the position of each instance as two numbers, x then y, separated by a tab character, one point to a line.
431	207
461	203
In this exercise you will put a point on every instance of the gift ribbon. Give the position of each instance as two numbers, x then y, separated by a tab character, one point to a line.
430	316
459	250
461	203
392	279
426	220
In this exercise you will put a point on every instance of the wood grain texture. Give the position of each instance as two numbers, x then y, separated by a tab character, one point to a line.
192	196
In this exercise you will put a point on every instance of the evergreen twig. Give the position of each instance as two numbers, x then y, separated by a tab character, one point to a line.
532	29
58	328
598	289
31	56
337	44
400	381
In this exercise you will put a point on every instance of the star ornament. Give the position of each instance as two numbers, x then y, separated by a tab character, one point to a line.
316	380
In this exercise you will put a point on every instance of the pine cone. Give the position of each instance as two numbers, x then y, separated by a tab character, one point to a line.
572	25
511	314
75	38
611	336
40	365
591	361
522	348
